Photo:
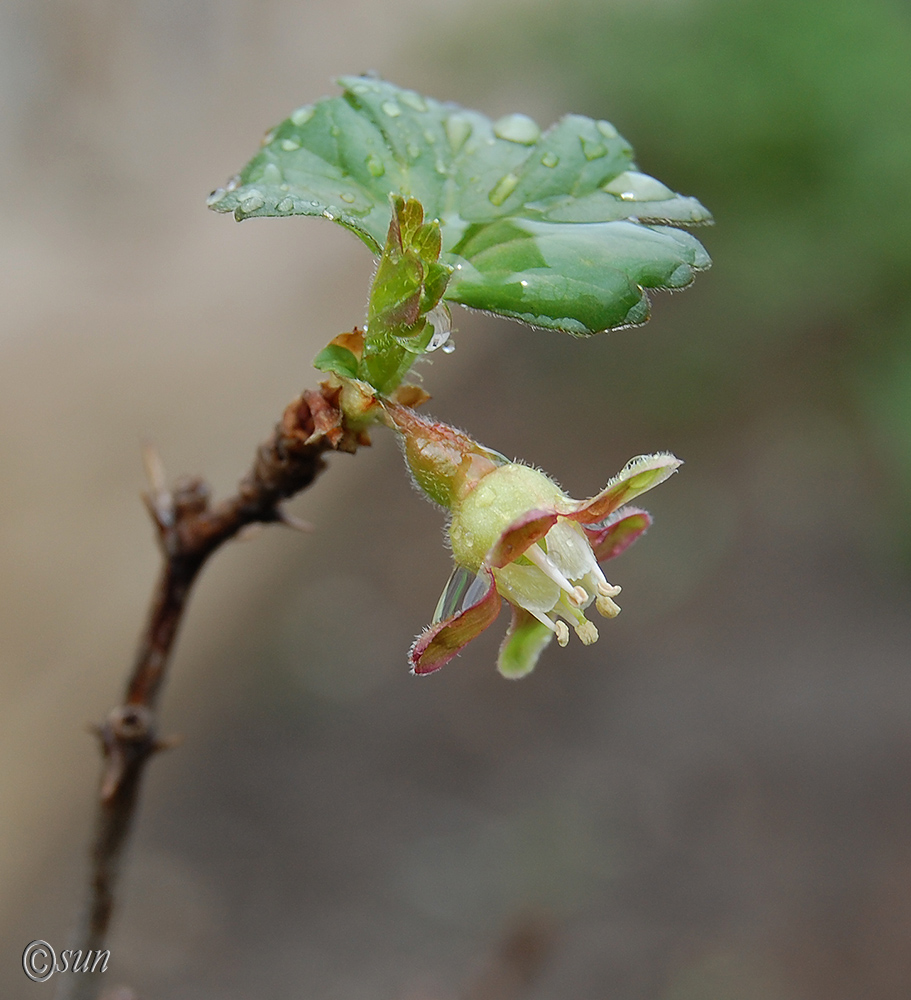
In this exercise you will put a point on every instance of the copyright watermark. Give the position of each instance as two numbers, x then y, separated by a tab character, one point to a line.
40	961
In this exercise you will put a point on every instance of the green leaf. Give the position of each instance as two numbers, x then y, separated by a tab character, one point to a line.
558	229
333	358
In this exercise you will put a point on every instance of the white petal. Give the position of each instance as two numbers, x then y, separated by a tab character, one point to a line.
528	587
569	550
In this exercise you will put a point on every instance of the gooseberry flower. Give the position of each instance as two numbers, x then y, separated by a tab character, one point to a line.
516	536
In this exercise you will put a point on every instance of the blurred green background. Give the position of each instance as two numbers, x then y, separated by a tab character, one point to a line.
710	804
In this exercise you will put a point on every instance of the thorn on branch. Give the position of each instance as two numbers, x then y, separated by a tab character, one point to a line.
127	737
158	500
297	523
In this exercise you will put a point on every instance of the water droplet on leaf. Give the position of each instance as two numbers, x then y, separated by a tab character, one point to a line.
607	130
375	165
518	128
391	108
593	150
348	197
633	186
233	184
216	196
289	145
458	129
303	115
550	159
252	201
503	189
285	205
412	100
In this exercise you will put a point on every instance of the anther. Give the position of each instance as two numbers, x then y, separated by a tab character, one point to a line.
604	602
586	631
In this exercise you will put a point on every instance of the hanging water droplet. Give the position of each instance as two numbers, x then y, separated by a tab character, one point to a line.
550	159
448	347
440	319
517	128
592	149
607	130
289	145
458	129
285	205
303	115
375	165
348	197
215	197
412	100
252	201
391	108
271	174
503	189
327	214
233	184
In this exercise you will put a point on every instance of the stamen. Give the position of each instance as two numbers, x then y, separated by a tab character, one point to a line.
584	629
537	555
607	607
562	632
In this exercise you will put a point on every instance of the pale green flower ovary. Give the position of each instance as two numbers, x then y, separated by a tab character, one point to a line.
490	508
556	578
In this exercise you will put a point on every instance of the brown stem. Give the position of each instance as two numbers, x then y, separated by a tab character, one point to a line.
190	530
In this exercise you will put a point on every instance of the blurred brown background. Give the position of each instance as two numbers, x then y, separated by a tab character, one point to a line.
710	804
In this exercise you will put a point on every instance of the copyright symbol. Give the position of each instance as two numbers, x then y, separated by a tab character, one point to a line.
39	961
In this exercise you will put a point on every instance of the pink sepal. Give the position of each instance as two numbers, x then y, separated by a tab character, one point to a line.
610	540
519	536
439	643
